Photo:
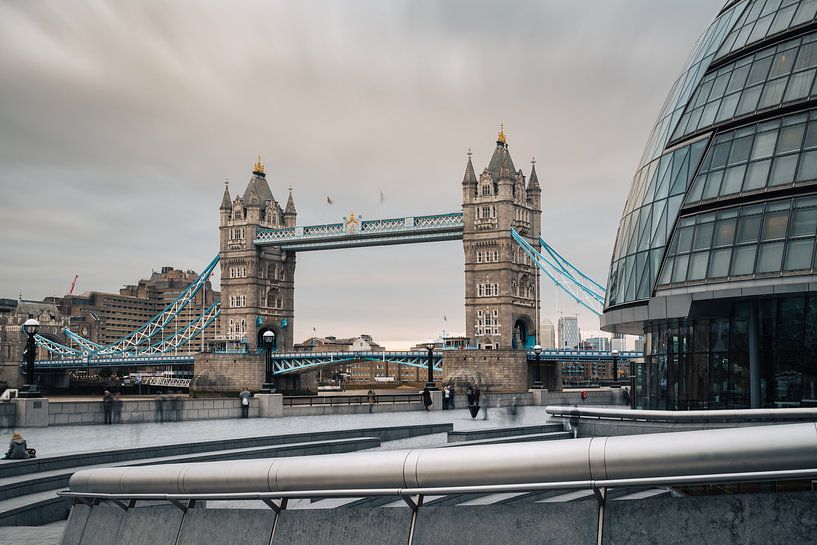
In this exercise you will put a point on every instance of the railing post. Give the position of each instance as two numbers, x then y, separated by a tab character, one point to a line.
601	499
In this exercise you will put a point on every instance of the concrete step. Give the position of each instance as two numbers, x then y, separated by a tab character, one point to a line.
473	435
33	501
549	436
10	468
50	534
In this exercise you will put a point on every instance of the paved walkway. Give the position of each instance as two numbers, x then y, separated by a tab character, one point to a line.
94	438
50	534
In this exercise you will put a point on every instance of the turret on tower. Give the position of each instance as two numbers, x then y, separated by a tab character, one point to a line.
501	284
257	283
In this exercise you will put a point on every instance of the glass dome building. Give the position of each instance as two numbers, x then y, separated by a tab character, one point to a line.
714	260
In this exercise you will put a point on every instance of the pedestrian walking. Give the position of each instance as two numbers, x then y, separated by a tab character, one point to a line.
427	398
469	395
451	395
477	393
446	397
117	408
107	406
372	400
159	404
245	402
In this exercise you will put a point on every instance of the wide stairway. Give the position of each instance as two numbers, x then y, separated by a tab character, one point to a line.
28	488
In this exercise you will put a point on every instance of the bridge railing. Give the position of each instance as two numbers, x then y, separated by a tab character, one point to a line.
333	400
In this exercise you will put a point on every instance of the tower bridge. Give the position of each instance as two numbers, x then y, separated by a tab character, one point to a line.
504	254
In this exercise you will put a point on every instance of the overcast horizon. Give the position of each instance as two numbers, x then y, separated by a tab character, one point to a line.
119	123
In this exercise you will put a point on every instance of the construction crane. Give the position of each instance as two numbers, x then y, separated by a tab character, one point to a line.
73	285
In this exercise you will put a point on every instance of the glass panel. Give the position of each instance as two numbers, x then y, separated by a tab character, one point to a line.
772	93
748	229
738	80
764	144
774	225
798	254
741	148
748	101
725	232
799	85
743	261
666	272
759	71
808	167
807	56
703	236
697	265
757	176
783	170
811	134
728	106
713	185
804	222
684	240
720	155
770	256
680	270
791	138
733	180
719	264
782	63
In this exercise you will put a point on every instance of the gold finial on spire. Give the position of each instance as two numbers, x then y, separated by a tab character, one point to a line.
501	136
258	168
533	160
226	181
469	152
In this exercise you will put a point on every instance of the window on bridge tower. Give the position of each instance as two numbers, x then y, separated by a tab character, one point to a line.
486	190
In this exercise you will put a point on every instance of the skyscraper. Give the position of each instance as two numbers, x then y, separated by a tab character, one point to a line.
547	334
569	334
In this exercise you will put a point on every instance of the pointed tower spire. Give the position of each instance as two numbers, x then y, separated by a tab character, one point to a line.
226	202
470	177
504	169
533	182
290	209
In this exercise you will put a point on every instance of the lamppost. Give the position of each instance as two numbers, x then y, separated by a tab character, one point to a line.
269	340
430	382
614	353
538	383
31	327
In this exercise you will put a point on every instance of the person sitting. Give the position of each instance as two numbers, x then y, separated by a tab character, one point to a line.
17	448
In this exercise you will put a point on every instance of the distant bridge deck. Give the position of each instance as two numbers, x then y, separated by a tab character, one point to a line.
296	362
383	232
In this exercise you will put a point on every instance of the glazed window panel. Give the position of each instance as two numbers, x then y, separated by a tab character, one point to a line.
798	254
781	73
765	18
774	238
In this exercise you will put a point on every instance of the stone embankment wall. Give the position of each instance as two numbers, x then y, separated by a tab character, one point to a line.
8	414
495	371
64	413
227	372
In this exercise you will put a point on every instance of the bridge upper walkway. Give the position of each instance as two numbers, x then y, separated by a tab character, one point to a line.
355	234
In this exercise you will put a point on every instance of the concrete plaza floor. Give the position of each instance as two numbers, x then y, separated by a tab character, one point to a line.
95	438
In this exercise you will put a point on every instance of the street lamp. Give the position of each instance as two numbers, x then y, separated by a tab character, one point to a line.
269	340
538	383
31	327
614	353
430	382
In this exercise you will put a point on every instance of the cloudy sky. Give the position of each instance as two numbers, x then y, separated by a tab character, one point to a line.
120	121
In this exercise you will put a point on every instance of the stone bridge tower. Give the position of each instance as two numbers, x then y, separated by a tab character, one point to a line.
501	282
257	283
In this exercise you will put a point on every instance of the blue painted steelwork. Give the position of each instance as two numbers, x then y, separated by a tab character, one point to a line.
559	270
152	327
584	355
297	362
121	360
383	232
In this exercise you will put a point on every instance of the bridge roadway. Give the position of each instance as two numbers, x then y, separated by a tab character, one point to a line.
296	362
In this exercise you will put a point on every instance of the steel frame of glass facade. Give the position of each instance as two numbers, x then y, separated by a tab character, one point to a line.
715	258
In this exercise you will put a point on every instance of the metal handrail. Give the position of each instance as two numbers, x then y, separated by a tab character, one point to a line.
733	415
719	478
362	399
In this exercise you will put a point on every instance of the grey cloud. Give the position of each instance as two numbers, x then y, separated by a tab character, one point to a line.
120	121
